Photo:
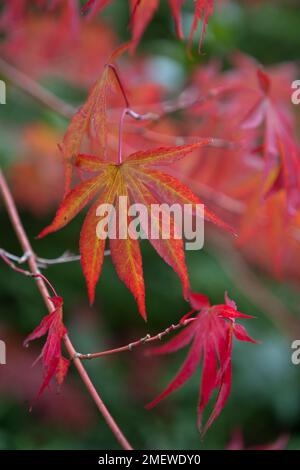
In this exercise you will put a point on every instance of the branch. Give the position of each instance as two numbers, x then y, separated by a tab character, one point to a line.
147	339
165	139
186	99
65	258
25	244
36	90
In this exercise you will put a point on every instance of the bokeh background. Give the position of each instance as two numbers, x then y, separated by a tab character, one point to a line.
265	399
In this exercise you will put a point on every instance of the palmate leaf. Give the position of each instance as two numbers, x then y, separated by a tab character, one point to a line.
280	148
136	179
210	334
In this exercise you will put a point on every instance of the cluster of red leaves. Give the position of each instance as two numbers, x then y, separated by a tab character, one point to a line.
256	185
210	334
68	12
54	363
257	103
14	12
77	58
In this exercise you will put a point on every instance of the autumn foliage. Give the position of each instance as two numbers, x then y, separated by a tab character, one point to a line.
228	141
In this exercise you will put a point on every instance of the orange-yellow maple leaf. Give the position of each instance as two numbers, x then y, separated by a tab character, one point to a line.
136	179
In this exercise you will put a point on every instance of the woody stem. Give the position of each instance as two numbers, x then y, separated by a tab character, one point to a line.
128	347
26	246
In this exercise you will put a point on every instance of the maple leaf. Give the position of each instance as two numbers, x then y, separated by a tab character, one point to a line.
210	333
280	148
54	363
141	183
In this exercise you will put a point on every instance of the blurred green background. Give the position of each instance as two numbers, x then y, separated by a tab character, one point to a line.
265	398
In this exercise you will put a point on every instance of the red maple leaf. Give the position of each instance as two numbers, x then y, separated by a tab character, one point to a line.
280	149
210	333
54	363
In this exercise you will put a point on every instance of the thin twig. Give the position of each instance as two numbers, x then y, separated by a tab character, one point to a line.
28	273
65	258
25	244
166	139
44	262
13	266
121	123
36	90
185	100
128	347
18	259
